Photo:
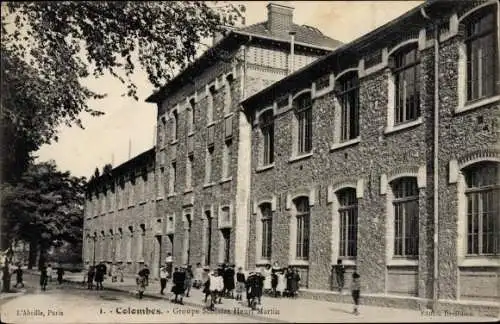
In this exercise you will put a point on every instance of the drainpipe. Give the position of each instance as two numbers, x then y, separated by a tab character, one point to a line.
292	52
435	294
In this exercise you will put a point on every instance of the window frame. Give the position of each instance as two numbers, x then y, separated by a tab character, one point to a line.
304	119
302	235
398	70
345	224
266	219
343	93
404	201
266	125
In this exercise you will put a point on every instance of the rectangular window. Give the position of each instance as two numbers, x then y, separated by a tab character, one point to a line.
302	235
481	45
228	97
227	159
407	85
267	231
405	217
304	123
349	101
348	213
209	164
161	183
131	192
210	105
189	172
267	129
172	177
175	125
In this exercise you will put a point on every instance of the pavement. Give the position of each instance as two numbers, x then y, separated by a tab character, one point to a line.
286	309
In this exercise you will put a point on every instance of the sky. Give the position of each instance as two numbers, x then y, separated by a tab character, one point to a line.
128	126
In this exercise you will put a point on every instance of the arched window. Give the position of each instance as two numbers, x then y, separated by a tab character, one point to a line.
348	96
210	104
303	215
267	230
303	112
405	204
406	74
348	214
483	193
481	37
267	129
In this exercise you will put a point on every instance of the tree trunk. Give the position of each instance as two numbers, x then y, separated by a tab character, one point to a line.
6	271
33	252
43	256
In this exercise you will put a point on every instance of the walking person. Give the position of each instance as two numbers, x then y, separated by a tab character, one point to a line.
198	273
229	281
142	280
339	275
60	274
49	273
99	275
188	281
169	261
178	279
355	289
43	278
19	277
163	278
240	283
90	277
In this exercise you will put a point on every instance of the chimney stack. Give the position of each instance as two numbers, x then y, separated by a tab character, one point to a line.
279	17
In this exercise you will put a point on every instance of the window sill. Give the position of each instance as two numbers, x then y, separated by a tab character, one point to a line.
191	133
484	261
347	262
402	262
174	142
338	146
265	167
394	129
159	198
303	263
224	180
477	104
300	157
121	208
207	185
142	202
228	115
170	195
189	190
211	123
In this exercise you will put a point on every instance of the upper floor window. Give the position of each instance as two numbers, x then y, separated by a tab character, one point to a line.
481	46
303	111
175	125
228	95
190	116
210	104
227	157
406	74
405	204
483	212
209	164
348	95
267	129
189	172
172	177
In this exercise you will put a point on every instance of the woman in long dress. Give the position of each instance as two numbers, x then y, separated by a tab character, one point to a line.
267	278
280	288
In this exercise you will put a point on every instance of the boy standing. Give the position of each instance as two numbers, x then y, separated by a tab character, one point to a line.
163	278
356	287
339	272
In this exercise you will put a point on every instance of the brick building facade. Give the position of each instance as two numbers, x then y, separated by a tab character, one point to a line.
344	153
203	143
337	160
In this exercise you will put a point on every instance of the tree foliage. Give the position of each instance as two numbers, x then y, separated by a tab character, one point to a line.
46	206
49	48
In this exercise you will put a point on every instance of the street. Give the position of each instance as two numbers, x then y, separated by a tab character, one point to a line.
71	303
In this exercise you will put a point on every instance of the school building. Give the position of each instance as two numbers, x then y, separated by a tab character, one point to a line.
295	148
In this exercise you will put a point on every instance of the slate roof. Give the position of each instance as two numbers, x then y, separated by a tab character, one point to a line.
303	34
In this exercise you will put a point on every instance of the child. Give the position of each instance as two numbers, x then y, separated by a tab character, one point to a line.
198	273
339	272
280	288
240	283
219	285
356	286
49	273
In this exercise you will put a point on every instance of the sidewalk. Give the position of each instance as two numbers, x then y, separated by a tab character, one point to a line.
289	310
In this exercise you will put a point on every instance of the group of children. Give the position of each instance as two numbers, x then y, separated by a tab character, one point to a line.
281	282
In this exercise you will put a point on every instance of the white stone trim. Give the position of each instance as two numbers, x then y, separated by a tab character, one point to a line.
331	84
258	227
403	44
476	8
422	177
360	188
220	222
310	194
383	184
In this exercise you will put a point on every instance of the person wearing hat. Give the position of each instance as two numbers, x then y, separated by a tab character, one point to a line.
188	281
178	279
240	283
